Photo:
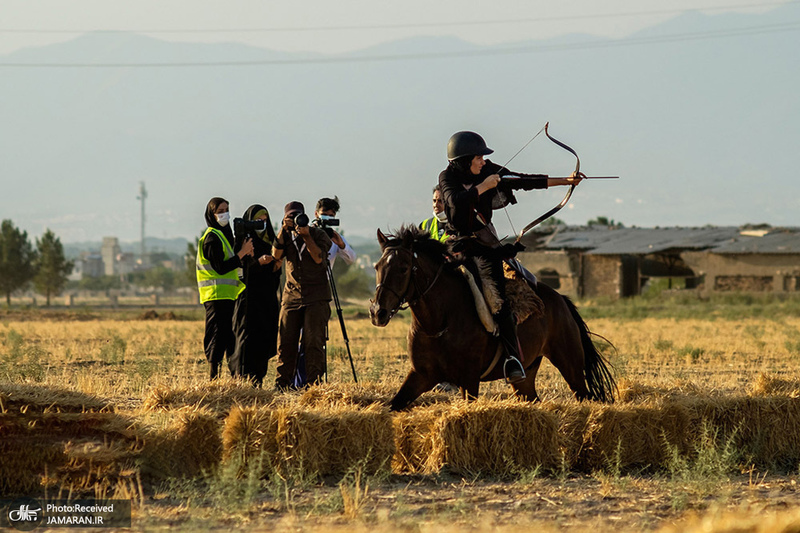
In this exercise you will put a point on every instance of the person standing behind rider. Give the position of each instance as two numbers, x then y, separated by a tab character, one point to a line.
218	282
436	224
255	320
306	296
326	209
471	188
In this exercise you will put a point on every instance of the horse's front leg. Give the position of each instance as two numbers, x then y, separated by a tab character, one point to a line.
470	392
414	385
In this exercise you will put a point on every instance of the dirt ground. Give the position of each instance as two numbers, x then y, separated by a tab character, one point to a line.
575	503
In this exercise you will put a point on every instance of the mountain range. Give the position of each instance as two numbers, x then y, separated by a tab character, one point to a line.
697	115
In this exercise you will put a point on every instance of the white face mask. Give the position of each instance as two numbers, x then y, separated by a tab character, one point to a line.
441	217
223	219
326	217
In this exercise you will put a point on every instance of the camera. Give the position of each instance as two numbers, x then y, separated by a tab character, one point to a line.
326	222
241	225
301	220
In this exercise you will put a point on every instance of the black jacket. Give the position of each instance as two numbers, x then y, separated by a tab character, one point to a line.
213	248
463	205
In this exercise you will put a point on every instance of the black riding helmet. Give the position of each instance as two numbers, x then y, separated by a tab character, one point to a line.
466	143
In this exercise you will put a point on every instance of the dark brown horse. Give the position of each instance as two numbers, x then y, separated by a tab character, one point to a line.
447	342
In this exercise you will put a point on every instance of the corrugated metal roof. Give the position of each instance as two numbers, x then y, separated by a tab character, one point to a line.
601	240
778	241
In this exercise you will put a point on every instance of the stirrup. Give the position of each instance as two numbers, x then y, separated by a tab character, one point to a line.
516	374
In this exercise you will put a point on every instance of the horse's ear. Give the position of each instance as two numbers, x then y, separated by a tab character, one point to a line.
381	238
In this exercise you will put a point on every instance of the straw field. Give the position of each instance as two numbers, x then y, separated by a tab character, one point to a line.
705	432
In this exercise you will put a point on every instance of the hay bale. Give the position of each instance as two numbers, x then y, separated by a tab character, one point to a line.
414	440
26	398
336	440
763	429
573	421
248	433
635	392
218	396
772	385
328	394
190	445
311	442
623	437
78	452
497	437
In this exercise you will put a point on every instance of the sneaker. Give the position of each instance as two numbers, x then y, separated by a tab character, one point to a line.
513	370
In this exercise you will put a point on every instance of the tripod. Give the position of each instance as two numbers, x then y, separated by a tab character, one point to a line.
335	295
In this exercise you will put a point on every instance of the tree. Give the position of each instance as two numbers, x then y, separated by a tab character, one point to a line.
605	221
157	277
17	258
190	258
52	268
553	221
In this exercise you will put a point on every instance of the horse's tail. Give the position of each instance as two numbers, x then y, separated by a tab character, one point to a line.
600	382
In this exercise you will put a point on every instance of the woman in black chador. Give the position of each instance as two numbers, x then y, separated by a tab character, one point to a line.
257	308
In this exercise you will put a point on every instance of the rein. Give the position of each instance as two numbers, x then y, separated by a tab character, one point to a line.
401	299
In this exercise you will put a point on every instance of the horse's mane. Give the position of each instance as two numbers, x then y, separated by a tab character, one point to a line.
409	236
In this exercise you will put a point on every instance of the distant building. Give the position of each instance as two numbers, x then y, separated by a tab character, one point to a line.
88	265
618	262
110	251
125	264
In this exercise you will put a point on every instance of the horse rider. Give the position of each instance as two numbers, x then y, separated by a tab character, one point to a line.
435	225
471	188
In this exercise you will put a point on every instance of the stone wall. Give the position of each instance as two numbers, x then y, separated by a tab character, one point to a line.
746	272
602	276
564	263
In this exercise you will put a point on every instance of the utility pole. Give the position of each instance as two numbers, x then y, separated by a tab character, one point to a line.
142	197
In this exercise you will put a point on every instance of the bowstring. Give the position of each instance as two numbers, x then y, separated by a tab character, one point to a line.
513	229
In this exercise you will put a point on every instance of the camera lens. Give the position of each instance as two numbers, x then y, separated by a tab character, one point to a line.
301	220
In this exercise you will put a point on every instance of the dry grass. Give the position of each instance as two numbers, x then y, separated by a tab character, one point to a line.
100	406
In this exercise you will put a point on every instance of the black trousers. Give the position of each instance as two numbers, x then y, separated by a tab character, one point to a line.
219	338
505	317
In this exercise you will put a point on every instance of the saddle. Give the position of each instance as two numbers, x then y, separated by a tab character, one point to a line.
522	297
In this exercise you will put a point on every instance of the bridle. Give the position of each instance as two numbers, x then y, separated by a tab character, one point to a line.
402	299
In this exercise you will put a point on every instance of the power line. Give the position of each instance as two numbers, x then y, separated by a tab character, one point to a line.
418	25
672	38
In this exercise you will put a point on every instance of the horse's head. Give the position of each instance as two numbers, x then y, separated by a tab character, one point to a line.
393	279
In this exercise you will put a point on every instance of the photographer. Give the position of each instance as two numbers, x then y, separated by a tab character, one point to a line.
305	296
325	217
255	319
218	282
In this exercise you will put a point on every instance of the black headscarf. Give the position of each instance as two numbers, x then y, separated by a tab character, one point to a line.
251	214
462	166
211	218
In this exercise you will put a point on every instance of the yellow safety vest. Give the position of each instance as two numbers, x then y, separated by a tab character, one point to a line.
432	226
212	285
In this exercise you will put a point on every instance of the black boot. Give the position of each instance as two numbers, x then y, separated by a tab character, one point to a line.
513	370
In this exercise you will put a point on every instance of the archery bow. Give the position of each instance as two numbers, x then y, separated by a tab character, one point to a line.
566	198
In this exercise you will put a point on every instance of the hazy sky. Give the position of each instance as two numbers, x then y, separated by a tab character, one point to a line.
341	25
346	25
